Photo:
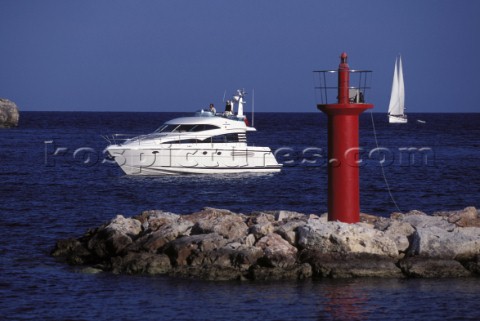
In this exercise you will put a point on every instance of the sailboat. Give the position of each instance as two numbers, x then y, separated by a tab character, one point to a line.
396	108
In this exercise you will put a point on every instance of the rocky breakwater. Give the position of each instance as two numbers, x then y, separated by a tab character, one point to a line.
218	244
9	115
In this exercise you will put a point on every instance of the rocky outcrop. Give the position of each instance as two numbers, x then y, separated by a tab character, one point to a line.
9	115
218	244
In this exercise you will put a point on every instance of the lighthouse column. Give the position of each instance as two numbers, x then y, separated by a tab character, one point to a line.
343	151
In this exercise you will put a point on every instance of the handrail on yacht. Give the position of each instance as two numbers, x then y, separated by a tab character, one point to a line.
117	139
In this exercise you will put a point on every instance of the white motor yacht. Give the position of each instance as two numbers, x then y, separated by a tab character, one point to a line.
205	143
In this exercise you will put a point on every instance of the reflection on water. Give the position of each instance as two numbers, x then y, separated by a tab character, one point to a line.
345	301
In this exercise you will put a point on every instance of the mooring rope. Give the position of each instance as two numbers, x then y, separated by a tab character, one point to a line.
381	165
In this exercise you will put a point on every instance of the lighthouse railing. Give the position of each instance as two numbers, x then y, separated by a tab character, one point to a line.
326	86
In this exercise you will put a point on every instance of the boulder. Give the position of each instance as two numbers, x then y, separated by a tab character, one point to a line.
260	230
277	251
162	233
473	265
349	265
194	249
73	251
127	226
432	268
399	232
115	237
207	272
434	242
244	256
345	238
259	218
422	220
468	217
289	230
153	220
9	115
222	222
141	263
295	272
288	216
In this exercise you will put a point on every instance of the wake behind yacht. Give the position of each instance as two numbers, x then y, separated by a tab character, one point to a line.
205	143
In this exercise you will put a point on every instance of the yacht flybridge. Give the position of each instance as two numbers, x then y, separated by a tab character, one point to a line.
205	143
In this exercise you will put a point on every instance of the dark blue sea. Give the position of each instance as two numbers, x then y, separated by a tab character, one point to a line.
55	182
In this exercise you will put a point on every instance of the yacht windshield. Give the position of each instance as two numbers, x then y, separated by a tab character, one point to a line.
166	128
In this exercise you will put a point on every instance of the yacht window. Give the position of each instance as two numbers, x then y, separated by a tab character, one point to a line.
228	138
232	138
200	128
184	141
184	128
166	129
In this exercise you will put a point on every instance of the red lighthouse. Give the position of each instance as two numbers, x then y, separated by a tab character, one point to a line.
343	150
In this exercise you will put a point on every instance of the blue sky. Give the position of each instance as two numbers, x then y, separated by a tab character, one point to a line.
154	55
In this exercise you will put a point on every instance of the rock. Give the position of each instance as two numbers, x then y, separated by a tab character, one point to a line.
161	233
474	265
345	238
128	226
399	232
222	222
115	237
194	249
277	251
370	219
244	256
260	230
468	217
296	272
432	268
259	218
434	242
91	270
289	231
420	219
250	240
217	244
349	265
108	243
73	251
141	263
206	272
230	262
9	115
288	216
153	220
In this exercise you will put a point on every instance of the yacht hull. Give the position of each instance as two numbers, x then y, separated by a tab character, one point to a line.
194	160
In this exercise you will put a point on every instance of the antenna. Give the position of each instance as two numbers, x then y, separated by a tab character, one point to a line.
253	106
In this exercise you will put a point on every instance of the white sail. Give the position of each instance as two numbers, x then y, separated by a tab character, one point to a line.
393	106
401	87
396	108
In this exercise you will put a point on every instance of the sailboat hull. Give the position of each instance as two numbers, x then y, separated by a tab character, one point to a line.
397	119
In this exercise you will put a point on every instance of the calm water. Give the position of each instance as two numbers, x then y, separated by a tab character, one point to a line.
56	183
